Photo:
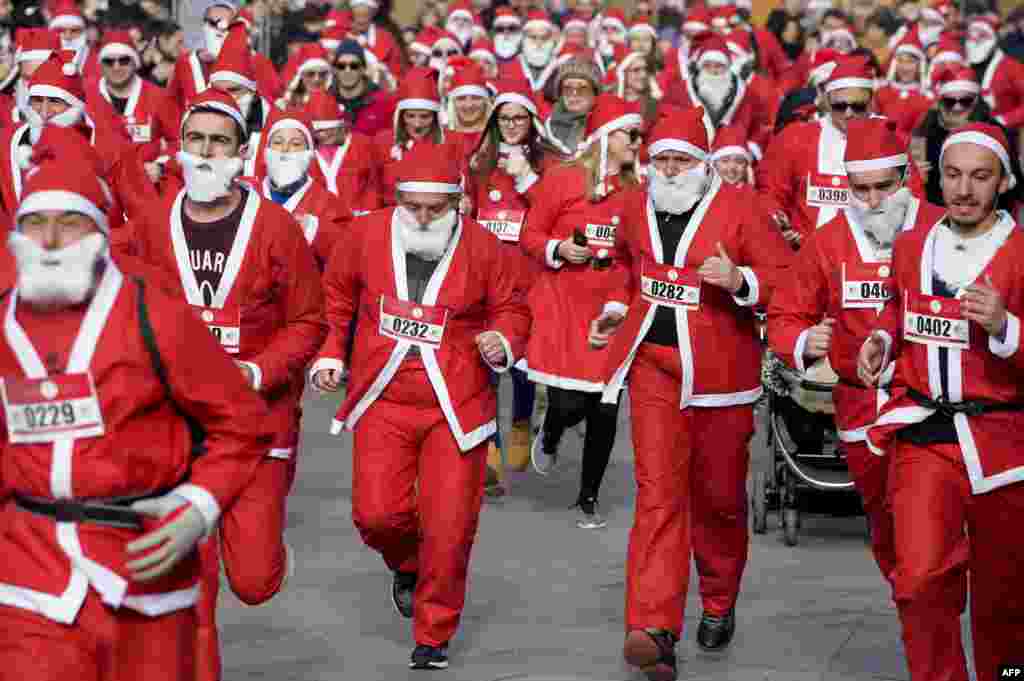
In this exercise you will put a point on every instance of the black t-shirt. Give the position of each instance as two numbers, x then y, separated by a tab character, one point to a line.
119	103
671	228
209	244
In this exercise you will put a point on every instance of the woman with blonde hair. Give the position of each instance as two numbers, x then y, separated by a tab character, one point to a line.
570	232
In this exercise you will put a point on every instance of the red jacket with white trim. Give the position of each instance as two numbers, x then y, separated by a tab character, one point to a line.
324	218
1002	88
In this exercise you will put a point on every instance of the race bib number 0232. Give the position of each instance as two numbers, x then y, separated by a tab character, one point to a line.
421	325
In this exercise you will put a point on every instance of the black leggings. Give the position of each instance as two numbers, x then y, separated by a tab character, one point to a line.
566	408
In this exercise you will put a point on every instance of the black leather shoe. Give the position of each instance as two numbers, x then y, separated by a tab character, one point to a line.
402	590
653	651
715	633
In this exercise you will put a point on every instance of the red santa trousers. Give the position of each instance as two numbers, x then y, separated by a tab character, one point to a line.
691	474
103	644
250	542
416	498
870	477
931	503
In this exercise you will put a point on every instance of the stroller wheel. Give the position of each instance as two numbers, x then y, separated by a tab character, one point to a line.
759	503
790	526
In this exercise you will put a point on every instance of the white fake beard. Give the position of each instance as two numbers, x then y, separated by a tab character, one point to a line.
208	179
213	39
287	168
58	278
979	50
930	35
714	89
678	194
76	45
464	36
538	56
882	224
506	46
68	119
430	241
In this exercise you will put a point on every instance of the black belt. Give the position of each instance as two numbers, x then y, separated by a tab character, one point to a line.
111	512
969	407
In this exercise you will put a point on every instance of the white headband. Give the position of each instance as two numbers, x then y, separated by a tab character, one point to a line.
290	123
842	83
424	104
57	199
733	150
959	86
429	187
469	90
673	144
43	90
119	50
877	163
516	98
983	140
232	77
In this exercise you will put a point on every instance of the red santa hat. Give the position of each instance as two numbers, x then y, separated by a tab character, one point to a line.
324	111
58	77
35	44
687	131
462	8
418	90
308	56
424	170
740	47
874	144
332	36
985	23
643	25
724	18
482	49
823	63
616	17
538	19
985	135
575	23
515	92
909	44
119	44
446	40
934	12
730	141
467	78
234	62
948	50
956	80
851	72
827	37
66	15
697	21
65	180
505	16
712	48
610	113
294	119
221	102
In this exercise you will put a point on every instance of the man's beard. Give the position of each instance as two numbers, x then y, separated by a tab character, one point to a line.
208	179
425	241
885	222
506	46
979	50
61	278
714	90
538	57
678	194
464	35
213	39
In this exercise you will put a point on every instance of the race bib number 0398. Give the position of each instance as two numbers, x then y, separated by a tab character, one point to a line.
827	190
60	407
934	320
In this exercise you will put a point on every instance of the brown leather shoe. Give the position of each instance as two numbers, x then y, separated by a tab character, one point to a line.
653	651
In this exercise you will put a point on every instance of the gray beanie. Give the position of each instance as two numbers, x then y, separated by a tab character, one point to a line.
578	67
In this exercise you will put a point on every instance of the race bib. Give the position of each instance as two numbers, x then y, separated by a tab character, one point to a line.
670	286
600	236
827	190
421	325
225	325
61	407
310	226
141	133
504	224
866	286
934	320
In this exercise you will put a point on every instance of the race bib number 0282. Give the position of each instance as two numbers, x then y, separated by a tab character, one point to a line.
670	286
934	320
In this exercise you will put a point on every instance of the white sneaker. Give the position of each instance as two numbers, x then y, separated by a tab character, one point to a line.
543	462
588	516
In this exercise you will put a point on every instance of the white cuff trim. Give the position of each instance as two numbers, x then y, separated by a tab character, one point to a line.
281	453
799	349
325	363
755	291
257	374
616	307
203	501
549	254
1011	343
509	360
524	182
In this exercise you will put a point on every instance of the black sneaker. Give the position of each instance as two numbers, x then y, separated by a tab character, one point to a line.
714	632
653	651
402	589
589	517
429	657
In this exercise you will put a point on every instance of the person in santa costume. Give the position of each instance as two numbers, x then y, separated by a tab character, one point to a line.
440	310
762	92
576	87
67	21
902	97
459	22
244	267
192	69
481	51
1001	76
612	34
802	175
122	98
379	41
507	30
947	53
445	46
952	430
839	283
467	103
732	158
309	69
287	151
370	109
643	38
570	231
634	80
343	156
680	329
416	123
34	46
539	48
157	434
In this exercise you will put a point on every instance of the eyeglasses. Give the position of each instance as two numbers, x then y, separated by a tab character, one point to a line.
954	102
349	66
440	54
852	107
514	120
636	136
116	61
501	30
319	75
582	91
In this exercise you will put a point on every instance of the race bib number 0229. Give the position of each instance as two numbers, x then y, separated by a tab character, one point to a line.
61	407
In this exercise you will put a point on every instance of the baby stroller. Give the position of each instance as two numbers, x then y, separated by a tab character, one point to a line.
806	455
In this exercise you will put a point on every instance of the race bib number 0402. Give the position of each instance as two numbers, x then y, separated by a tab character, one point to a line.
934	320
61	407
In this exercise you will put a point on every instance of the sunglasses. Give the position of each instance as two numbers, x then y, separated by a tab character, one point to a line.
954	102
502	30
349	66
118	61
853	107
635	135
439	54
213	23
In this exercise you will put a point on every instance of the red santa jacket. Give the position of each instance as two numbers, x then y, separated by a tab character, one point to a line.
384	47
473	287
323	217
770	55
386	155
992	444
149	118
905	104
352	173
839	274
145	446
1002	88
270	294
191	75
565	297
718	343
516	69
740	113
